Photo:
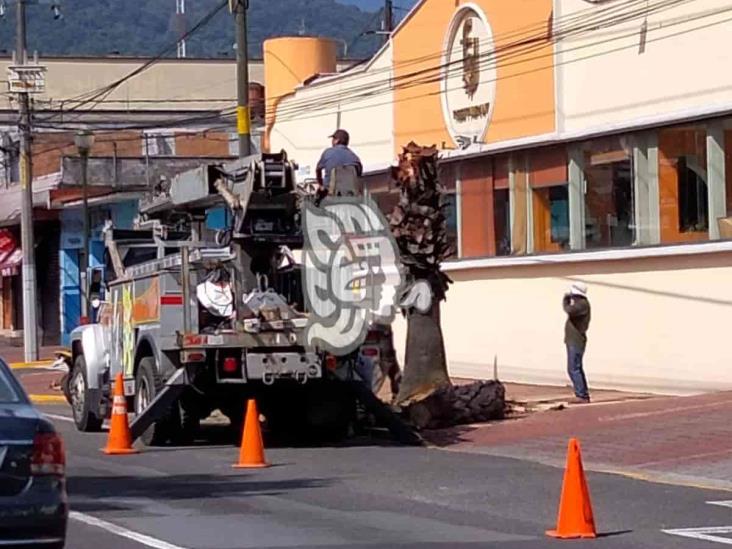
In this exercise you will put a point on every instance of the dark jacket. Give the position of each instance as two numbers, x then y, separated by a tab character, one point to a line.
578	320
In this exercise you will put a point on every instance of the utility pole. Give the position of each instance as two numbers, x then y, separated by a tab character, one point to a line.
180	27
30	324
239	7
388	19
84	141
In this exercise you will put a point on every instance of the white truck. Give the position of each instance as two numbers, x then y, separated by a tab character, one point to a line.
170	318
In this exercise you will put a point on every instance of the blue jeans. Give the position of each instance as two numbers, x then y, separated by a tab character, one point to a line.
576	371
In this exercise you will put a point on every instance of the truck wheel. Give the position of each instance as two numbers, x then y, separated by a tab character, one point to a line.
85	419
147	385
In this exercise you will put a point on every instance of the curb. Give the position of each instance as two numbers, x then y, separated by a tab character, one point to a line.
30	365
48	399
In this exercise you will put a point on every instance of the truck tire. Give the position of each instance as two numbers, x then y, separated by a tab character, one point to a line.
147	386
85	419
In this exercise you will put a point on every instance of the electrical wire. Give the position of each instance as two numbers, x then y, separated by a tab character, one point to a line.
309	115
534	32
429	75
500	54
103	92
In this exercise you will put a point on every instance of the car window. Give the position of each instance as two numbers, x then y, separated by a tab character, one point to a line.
8	392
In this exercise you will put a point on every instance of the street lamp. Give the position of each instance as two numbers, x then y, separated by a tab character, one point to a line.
84	141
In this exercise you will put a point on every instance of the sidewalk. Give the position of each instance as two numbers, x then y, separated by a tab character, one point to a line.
14	355
680	440
536	398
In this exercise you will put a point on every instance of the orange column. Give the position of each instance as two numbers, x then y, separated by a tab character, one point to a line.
476	209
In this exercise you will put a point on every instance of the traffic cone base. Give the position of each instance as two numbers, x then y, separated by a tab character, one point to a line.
251	466
121	452
119	440
251	454
575	518
555	534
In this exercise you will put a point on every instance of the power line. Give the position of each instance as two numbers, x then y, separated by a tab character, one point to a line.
103	92
499	55
552	65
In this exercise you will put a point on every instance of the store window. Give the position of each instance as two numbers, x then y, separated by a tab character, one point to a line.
683	180
609	201
550	199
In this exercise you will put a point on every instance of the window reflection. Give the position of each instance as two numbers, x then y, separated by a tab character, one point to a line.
682	184
609	202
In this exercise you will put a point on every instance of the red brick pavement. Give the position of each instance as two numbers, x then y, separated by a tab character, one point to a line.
35	380
685	439
12	354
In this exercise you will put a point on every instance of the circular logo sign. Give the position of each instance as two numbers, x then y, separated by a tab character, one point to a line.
469	77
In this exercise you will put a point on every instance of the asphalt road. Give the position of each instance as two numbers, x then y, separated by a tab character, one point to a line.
367	495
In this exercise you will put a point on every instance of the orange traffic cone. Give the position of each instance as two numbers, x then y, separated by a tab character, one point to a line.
119	440
575	518
251	454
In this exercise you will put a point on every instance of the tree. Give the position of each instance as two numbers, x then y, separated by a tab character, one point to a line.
419	226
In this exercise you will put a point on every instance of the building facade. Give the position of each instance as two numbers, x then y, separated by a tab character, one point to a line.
581	140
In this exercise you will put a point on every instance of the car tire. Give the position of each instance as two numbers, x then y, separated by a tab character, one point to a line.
147	386
84	417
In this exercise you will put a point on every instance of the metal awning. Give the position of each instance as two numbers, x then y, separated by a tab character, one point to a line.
11	256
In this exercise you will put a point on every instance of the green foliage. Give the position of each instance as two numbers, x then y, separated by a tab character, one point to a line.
146	27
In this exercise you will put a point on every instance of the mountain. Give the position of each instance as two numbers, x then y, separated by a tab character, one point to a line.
103	27
375	5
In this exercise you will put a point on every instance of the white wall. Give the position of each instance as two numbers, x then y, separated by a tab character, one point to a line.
686	69
306	119
658	324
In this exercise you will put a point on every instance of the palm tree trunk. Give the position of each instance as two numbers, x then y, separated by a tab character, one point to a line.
425	367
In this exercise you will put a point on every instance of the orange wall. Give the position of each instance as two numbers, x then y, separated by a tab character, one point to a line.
476	199
524	102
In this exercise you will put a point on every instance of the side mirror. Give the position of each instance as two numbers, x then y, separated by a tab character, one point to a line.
96	286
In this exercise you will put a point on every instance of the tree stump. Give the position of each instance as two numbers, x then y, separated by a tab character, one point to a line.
459	405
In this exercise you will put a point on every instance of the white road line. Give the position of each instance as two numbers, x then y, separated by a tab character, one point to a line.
60	418
142	539
724	503
704	533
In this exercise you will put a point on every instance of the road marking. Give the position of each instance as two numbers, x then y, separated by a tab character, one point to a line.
30	365
48	399
60	418
724	503
121	531
704	533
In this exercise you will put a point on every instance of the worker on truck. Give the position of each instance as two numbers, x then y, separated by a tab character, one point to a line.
337	156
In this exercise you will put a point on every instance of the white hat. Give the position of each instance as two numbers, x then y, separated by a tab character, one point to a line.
578	288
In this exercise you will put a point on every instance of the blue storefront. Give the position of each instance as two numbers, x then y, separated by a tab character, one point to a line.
122	215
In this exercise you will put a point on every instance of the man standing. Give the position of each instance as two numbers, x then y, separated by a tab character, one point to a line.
338	155
577	307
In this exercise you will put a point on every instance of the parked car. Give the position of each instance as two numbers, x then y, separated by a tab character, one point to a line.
33	499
